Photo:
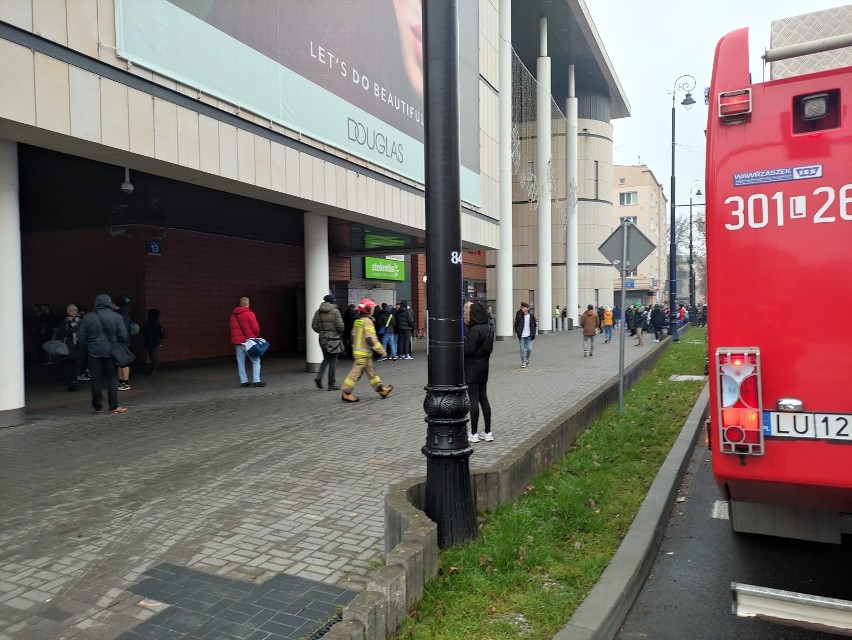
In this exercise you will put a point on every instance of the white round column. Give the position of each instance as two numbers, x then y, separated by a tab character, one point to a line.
544	294
505	293
12	398
316	281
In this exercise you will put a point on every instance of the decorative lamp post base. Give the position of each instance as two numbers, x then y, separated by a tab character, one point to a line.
449	499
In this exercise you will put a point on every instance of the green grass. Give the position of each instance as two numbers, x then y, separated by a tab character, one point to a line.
537	558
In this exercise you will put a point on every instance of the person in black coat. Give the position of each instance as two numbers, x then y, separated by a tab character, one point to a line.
658	319
478	345
152	334
98	330
404	320
350	314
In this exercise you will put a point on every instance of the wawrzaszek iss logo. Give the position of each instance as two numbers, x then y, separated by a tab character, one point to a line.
784	174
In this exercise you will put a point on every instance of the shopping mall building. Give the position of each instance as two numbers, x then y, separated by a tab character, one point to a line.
186	153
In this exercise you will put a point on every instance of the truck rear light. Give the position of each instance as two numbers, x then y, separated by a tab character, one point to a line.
815	107
738	378
813	113
735	106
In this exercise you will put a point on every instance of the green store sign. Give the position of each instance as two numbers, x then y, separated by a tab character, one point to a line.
380	269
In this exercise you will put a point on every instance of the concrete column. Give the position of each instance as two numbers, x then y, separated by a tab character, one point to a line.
572	234
505	291
316	281
12	399
544	293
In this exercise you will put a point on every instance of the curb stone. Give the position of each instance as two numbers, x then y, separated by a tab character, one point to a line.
408	531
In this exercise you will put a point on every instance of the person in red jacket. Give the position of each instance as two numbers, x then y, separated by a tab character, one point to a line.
244	326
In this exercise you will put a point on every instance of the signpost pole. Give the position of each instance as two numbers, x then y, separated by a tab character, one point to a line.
625	248
621	338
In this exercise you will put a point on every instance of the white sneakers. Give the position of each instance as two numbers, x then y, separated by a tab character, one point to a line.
488	437
473	438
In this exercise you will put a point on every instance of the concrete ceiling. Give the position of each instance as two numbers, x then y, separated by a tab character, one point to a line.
572	39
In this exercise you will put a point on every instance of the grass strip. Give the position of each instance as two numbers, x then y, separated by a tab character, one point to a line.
537	558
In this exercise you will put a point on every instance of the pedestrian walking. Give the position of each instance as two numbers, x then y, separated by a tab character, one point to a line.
525	329
365	342
638	323
658	319
589	321
608	320
244	326
478	345
328	323
98	331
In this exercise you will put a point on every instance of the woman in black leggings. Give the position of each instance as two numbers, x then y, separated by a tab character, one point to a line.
478	345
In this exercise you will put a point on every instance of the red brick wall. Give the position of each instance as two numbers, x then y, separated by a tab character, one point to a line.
195	283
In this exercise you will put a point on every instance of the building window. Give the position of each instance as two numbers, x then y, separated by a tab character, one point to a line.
627	198
622	180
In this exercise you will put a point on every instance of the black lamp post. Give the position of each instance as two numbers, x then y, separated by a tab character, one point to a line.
684	83
448	500
691	269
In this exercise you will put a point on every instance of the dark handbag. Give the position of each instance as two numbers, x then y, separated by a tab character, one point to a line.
333	345
121	353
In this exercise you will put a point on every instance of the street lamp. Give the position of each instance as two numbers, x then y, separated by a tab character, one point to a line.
684	83
448	499
692	192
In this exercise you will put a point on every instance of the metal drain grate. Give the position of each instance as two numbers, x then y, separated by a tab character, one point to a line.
324	629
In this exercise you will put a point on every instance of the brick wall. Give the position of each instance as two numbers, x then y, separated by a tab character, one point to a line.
195	282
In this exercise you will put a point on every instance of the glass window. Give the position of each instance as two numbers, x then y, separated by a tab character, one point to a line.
626	198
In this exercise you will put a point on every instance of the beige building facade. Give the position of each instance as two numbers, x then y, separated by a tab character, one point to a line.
638	195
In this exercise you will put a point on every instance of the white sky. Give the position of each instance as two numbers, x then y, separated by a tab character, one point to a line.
650	44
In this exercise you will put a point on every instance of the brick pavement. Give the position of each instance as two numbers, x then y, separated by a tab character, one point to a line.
212	511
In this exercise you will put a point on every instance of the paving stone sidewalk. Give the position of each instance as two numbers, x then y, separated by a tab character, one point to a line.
213	511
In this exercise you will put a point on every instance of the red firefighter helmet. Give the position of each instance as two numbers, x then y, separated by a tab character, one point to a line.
366	305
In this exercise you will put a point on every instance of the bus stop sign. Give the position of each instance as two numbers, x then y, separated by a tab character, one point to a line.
639	247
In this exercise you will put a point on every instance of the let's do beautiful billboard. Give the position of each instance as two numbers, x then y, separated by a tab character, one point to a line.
346	72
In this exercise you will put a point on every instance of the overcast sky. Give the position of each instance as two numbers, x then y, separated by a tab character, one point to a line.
650	44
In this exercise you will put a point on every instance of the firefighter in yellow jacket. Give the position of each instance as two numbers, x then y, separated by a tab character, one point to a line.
364	343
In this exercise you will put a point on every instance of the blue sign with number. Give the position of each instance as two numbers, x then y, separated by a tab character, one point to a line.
153	247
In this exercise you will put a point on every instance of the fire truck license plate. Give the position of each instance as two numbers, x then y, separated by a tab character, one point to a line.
818	426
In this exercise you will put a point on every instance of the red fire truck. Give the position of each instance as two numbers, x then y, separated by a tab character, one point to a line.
779	284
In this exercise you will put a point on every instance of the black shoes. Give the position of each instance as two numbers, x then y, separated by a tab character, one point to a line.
318	382
246	384
258	384
333	387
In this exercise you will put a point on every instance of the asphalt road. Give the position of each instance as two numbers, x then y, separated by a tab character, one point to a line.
687	595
